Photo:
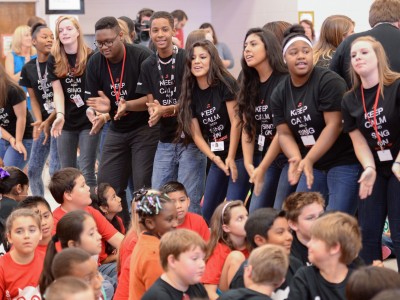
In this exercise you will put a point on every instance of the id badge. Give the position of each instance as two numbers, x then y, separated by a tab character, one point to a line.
261	142
308	140
217	146
78	100
49	107
385	155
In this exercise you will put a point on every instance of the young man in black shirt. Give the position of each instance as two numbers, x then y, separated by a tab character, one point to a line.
130	144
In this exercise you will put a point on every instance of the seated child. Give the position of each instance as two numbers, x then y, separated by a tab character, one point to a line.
69	288
302	209
269	226
393	294
227	235
367	282
264	273
21	267
40	206
335	242
177	193
69	189
157	215
182	253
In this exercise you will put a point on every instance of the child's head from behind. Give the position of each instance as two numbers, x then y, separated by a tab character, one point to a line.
78	229
227	223
23	228
177	193
107	200
156	213
268	225
41	207
69	288
334	234
77	263
392	294
367	282
302	209
267	265
69	186
14	183
182	253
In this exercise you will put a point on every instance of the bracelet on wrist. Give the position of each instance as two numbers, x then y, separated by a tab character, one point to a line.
372	167
397	162
104	117
174	110
59	112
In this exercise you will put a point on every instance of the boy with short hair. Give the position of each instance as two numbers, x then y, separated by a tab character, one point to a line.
182	254
40	206
335	242
264	273
269	226
69	288
302	209
177	193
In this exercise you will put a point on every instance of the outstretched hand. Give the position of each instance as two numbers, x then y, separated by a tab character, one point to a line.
101	104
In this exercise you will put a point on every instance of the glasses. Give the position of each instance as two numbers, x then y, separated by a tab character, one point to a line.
105	43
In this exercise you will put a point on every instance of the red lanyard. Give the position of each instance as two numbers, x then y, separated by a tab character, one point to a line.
374	125
120	79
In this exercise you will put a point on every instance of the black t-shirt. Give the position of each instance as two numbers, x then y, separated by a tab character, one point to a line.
98	79
7	205
162	290
299	250
263	114
166	90
209	107
243	294
73	88
387	119
309	284
30	79
280	293
8	119
302	109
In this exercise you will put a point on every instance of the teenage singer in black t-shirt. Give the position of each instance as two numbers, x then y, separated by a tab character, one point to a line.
112	76
371	112
306	107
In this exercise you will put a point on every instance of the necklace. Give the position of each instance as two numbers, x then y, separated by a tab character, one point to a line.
165	62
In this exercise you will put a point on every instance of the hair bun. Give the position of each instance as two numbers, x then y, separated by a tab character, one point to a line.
294	30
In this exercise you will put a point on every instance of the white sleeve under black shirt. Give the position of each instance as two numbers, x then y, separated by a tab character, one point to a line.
302	109
75	117
166	91
209	107
388	120
98	79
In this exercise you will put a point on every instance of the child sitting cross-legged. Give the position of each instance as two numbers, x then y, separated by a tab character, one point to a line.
264	273
335	242
182	254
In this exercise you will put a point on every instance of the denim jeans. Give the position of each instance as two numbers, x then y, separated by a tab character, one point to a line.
67	145
338	185
275	183
128	154
372	211
13	158
219	186
38	159
187	165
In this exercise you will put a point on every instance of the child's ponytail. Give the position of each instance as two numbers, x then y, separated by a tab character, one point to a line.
46	278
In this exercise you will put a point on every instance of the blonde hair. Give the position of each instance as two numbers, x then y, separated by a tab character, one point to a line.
295	202
61	65
269	264
385	75
333	31
339	228
125	30
178	241
18	35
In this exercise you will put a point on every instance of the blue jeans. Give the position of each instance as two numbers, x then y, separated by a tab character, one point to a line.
219	186
372	211
176	162
39	155
275	183
67	145
338	185
13	158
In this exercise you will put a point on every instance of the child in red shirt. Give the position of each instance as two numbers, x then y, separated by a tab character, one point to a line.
177	193
40	206
227	234
21	267
157	215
